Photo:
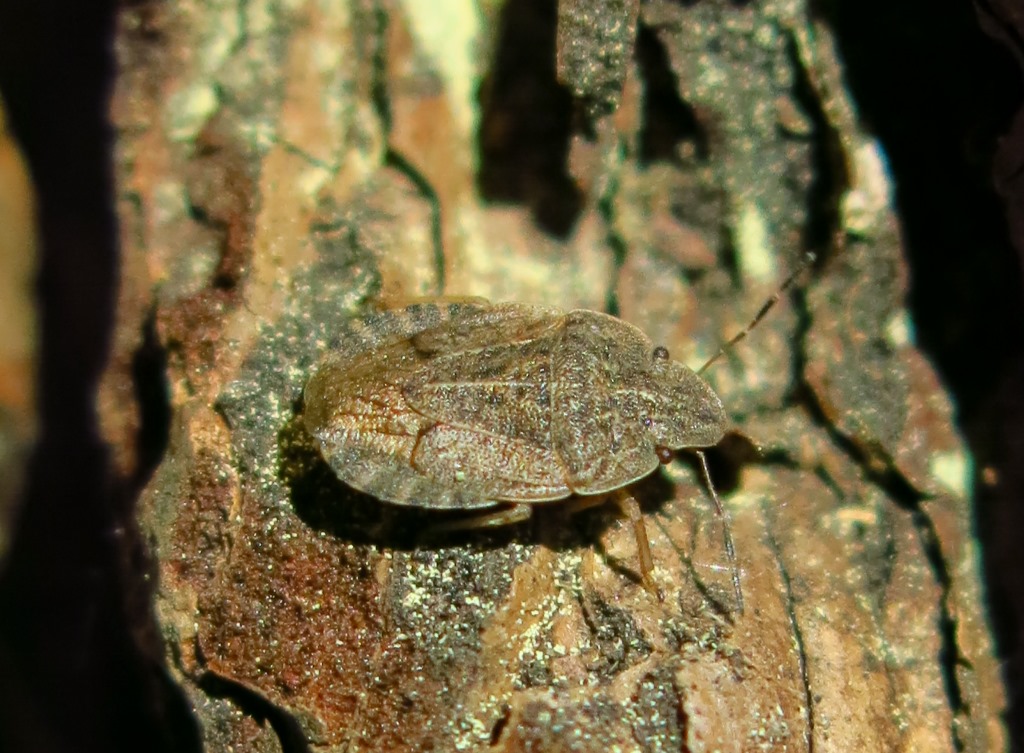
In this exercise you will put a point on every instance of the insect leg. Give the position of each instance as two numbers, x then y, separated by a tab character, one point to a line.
730	548
574	505
631	509
503	517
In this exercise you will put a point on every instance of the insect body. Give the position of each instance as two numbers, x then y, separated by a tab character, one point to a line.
474	406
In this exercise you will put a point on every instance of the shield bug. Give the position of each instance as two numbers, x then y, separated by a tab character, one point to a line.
474	406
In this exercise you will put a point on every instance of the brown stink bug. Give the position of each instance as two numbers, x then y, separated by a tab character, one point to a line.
470	406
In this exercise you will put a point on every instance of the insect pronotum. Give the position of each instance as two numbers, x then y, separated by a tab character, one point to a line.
479	406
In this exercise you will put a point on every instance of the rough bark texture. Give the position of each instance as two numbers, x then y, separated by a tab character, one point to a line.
18	341
283	167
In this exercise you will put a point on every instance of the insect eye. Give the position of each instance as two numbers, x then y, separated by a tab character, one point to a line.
648	422
665	455
660	353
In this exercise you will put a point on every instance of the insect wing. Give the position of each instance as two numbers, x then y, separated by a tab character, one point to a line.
378	330
474	328
366	429
490	374
484	382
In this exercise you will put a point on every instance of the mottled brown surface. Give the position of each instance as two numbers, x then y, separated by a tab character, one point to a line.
353	146
18	341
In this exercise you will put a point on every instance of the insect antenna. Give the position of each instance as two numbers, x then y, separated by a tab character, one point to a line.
730	547
809	258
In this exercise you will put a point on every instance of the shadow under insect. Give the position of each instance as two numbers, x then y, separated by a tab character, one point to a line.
325	503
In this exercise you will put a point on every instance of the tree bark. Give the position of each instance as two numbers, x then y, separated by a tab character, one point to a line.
285	167
18	338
